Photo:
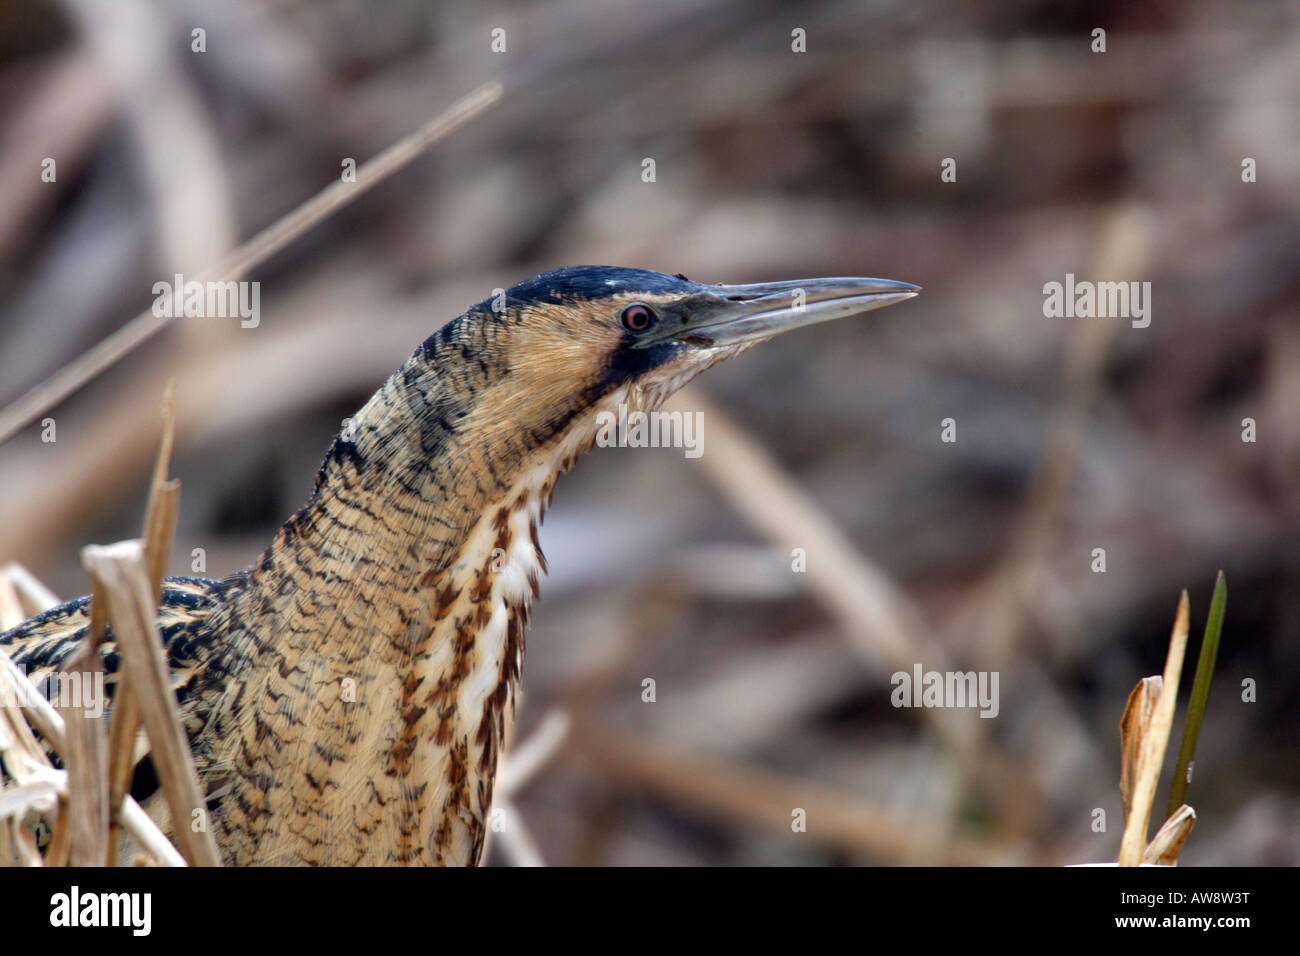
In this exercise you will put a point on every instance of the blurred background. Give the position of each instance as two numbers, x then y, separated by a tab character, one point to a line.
772	688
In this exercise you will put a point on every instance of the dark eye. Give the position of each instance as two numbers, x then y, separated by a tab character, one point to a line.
637	317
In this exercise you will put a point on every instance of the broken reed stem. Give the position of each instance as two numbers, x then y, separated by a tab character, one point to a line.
119	572
247	256
159	525
1154	743
94	805
50	725
159	530
123	723
86	759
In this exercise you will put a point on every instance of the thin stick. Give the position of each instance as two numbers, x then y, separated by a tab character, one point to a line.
884	627
34	596
38	710
517	842
139	824
525	760
767	800
11	606
15	800
252	253
1153	746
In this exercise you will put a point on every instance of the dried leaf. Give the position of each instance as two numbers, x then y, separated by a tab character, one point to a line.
1168	842
1132	731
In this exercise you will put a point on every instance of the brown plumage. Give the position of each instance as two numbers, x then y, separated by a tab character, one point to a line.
346	696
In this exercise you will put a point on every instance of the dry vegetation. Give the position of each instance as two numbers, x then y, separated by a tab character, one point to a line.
772	687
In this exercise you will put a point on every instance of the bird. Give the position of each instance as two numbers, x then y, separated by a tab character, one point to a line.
345	697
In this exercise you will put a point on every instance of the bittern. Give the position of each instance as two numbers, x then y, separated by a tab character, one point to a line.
345	697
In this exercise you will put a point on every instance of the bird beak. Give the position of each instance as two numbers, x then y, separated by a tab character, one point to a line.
722	315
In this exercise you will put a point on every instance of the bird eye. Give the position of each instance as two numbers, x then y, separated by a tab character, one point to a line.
637	317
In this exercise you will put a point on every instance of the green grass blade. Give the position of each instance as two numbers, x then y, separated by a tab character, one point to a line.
1200	693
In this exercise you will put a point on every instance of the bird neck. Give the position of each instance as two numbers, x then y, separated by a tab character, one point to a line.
387	613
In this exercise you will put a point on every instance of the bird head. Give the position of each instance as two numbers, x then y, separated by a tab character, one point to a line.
571	343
